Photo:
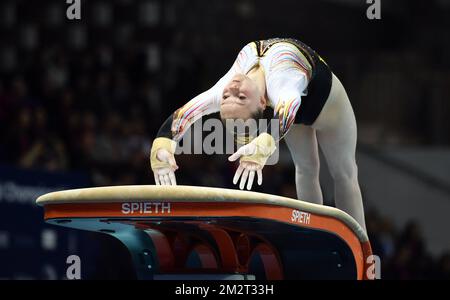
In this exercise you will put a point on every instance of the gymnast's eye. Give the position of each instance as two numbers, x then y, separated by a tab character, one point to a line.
242	97
225	96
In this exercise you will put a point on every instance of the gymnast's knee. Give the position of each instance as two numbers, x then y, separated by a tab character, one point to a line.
308	171
346	172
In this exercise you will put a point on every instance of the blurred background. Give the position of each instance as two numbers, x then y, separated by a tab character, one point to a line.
82	100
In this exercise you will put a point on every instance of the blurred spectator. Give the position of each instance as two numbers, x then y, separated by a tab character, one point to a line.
443	267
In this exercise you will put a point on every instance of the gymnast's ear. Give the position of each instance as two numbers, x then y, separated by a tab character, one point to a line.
263	102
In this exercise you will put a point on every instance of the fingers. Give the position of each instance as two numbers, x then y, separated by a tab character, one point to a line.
244	178
251	177
238	174
248	149
156	179
167	179
247	170
162	179
165	176
172	178
236	154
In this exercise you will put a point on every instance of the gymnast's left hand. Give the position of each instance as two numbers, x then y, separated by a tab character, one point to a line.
247	170
253	157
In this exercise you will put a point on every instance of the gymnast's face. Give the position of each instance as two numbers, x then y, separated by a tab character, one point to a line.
241	99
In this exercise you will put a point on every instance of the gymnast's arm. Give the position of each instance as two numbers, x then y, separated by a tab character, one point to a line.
286	91
179	122
285	87
285	84
162	153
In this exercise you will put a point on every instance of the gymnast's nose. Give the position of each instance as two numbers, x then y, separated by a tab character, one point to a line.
235	85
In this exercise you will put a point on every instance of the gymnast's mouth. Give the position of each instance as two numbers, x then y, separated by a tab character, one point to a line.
228	102
231	104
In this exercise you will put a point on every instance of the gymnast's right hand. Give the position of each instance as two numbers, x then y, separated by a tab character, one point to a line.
163	162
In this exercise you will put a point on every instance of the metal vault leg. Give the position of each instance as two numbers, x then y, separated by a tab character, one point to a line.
142	251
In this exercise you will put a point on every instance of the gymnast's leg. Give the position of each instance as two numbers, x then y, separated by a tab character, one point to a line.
302	143
336	133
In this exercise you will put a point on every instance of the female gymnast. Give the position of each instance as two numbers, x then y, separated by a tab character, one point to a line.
312	108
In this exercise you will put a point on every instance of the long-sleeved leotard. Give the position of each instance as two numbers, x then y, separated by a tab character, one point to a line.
289	67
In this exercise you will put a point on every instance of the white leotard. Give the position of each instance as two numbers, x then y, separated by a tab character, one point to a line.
287	73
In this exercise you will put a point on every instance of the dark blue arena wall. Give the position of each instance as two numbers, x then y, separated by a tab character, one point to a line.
29	248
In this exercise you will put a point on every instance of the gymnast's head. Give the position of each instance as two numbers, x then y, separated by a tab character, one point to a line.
242	99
